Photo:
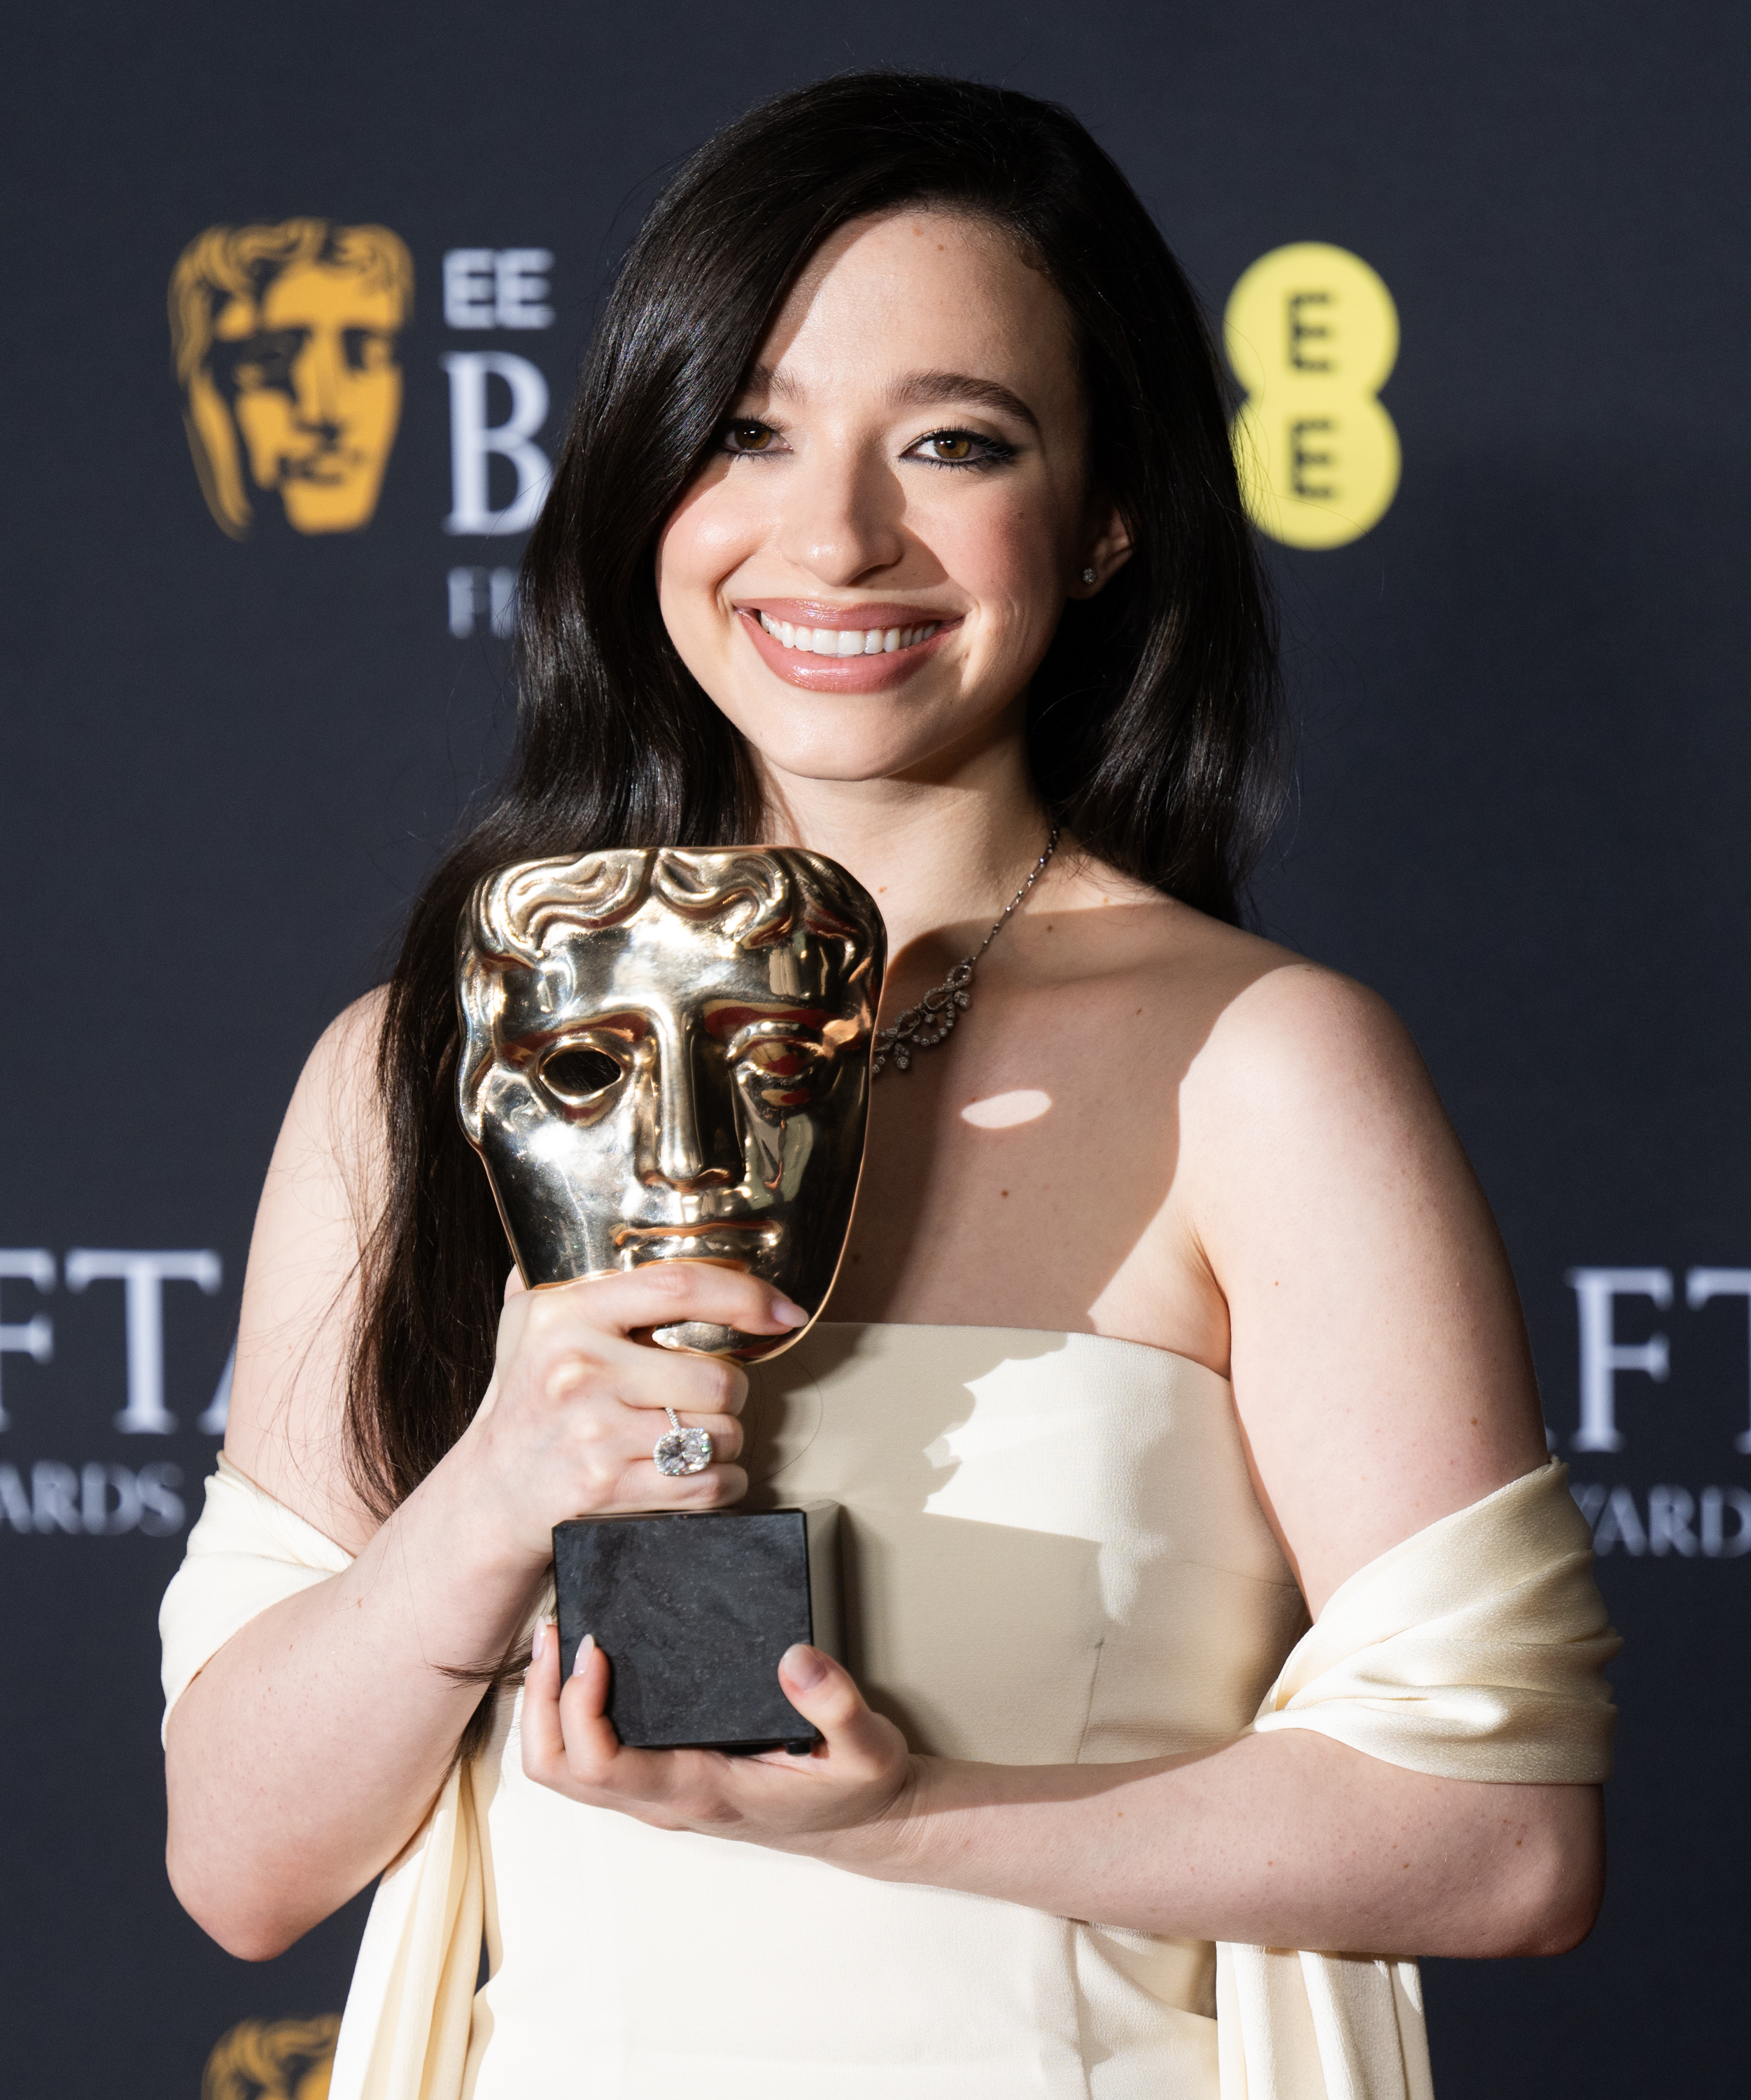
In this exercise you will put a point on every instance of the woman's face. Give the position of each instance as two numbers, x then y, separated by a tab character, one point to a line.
869	570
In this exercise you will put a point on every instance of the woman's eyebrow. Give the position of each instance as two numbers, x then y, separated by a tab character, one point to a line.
919	389
924	389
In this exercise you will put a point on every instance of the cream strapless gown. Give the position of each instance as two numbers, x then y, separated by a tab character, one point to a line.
1052	1554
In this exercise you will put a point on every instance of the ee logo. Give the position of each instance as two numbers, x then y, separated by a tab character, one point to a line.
1312	335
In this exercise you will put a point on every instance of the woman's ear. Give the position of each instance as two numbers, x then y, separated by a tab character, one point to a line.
1106	550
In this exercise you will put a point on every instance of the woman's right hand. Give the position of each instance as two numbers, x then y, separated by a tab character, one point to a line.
569	1421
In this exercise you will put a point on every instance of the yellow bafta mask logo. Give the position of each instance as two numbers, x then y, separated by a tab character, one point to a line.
284	340
273	2060
1312	335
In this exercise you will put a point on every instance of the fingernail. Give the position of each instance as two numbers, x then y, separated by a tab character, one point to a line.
792	1316
586	1649
538	1646
805	1666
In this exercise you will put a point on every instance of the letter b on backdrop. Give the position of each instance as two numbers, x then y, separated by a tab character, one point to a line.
1312	335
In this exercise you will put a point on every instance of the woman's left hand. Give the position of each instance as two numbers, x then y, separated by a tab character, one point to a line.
859	1779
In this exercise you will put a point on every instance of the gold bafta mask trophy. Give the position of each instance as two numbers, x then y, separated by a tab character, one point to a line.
666	1057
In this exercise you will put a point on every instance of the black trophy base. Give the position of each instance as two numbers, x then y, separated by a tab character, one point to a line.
693	1614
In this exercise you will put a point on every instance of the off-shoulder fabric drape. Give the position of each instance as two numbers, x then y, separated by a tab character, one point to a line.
1475	1649
1472	1650
405	2033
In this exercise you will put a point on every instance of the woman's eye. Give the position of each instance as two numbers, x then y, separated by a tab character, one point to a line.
963	449
580	1076
748	437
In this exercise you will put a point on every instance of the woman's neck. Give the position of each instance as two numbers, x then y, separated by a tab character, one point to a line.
934	853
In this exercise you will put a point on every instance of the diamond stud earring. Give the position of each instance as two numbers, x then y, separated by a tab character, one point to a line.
1089	576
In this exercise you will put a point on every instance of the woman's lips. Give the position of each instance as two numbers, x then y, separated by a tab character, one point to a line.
868	671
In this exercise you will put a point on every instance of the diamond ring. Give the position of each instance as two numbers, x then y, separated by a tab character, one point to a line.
680	1450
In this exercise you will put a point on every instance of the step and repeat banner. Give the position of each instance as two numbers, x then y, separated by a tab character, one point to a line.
295	307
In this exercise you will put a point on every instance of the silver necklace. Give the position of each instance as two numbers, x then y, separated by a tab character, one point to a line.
923	1026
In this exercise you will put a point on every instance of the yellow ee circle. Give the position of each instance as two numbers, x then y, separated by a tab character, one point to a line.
1312	335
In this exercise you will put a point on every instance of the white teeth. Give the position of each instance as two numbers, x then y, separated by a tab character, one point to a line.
848	641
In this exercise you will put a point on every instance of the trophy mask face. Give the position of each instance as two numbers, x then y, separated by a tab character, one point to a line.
666	1057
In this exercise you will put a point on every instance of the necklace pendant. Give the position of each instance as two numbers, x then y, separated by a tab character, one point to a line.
932	1020
923	1026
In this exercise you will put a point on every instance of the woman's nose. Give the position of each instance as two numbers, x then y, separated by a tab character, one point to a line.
843	517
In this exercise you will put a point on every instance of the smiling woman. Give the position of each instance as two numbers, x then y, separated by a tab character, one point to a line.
897	526
831	462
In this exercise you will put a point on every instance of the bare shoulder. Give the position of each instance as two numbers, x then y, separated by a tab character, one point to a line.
1247	1029
319	1203
1307	1099
333	1138
1297	1038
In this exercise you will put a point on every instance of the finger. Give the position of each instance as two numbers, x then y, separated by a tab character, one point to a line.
595	1756
544	1745
642	1421
514	1286
644	1488
549	1729
657	1379
825	1692
664	1293
646	1429
627	1386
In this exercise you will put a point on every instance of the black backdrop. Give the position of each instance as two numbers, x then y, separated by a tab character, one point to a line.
1523	755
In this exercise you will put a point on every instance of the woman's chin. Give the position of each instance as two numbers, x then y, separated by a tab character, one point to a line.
872	736
823	760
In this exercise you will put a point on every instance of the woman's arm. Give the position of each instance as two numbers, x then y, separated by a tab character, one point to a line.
1280	1840
1384	1380
309	1749
1379	1360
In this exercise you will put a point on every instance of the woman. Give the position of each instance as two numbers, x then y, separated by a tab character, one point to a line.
1171	1314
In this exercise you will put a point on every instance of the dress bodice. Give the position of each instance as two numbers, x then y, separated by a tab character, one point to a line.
1051	1554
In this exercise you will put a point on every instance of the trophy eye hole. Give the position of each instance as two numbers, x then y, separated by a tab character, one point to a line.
782	1057
578	1075
782	1069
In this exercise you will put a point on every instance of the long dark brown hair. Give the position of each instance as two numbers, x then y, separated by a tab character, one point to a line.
1152	723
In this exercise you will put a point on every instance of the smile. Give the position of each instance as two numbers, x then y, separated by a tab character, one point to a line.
869	648
848	641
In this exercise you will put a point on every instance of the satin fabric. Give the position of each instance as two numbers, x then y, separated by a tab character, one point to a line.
1474	1649
405	2033
1052	1555
1089	1497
